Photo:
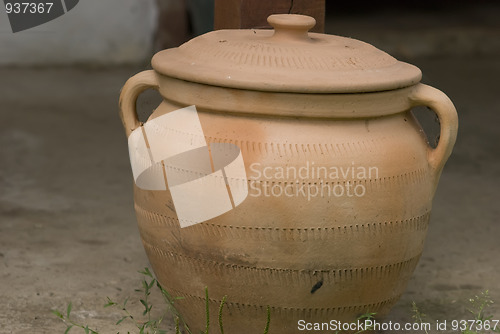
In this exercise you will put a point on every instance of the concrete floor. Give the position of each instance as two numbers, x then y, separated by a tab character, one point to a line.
67	225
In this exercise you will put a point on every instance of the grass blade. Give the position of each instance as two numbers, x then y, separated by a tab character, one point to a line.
220	314
266	330
68	310
58	314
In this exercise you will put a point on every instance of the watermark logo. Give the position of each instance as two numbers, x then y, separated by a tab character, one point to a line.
26	14
310	180
205	181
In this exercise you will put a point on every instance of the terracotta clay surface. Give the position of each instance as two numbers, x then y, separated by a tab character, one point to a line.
311	258
287	58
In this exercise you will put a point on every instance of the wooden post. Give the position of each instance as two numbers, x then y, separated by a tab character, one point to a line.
173	24
248	14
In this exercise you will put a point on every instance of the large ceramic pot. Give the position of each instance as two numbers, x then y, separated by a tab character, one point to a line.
330	212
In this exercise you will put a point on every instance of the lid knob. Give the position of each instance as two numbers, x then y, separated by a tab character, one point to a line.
291	26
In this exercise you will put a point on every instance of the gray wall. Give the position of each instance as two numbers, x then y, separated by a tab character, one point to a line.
95	31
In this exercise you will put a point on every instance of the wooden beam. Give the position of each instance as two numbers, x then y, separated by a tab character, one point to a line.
248	14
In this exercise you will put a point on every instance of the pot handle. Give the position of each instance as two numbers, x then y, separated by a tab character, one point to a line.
128	98
423	95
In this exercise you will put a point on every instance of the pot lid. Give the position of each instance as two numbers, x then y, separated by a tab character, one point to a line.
286	59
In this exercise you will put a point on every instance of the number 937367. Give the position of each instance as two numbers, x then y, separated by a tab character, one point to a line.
475	325
28	7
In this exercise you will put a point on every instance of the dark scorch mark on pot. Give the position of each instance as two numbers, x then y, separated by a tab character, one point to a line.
316	286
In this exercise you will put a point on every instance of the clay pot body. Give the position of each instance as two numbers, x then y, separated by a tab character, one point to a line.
340	190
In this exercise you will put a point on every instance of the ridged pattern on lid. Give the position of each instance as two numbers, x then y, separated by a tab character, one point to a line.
288	59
